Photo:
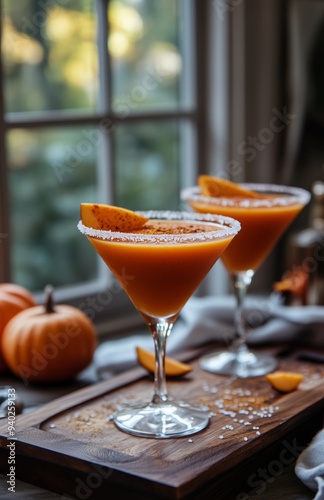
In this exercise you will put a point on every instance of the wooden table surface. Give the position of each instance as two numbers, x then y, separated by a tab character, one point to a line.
286	486
282	484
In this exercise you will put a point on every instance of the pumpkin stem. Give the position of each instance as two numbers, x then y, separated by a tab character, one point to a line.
49	305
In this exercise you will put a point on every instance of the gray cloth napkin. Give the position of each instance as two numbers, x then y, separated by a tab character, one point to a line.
310	466
208	319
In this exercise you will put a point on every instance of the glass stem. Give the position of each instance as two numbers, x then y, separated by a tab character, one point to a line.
160	332
241	282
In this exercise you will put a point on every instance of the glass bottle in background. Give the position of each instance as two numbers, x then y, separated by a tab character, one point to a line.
306	248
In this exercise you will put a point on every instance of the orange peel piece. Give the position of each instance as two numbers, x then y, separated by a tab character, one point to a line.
216	187
110	218
173	368
284	381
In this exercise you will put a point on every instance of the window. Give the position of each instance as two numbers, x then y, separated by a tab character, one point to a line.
97	104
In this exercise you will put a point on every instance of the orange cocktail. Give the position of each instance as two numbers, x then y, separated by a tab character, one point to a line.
263	221
264	211
158	272
159	263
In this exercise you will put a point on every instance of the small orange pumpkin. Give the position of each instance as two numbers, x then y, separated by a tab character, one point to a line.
48	344
13	299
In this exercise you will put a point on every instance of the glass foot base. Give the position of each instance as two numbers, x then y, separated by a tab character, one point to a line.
228	363
165	420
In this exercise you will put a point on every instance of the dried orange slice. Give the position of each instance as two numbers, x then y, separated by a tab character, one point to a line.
173	368
284	381
110	218
215	187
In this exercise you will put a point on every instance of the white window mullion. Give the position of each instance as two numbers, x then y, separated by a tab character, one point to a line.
188	90
188	154
105	128
4	191
187	47
103	57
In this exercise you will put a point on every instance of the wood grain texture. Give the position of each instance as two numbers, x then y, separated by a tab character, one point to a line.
73	436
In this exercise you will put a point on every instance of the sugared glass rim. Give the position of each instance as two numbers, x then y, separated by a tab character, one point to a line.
230	228
287	196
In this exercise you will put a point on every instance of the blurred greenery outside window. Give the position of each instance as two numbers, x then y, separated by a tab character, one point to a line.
98	105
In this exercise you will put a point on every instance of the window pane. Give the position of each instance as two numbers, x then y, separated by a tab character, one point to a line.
51	173
147	166
144	48
49	54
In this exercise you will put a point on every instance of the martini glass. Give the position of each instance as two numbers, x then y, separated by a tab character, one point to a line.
263	220
159	266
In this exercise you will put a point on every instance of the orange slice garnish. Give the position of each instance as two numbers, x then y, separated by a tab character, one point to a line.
216	187
110	218
284	381
173	368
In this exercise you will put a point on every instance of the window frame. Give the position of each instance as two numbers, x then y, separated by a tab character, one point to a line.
191	112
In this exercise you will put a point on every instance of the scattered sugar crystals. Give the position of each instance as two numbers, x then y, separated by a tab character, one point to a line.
248	405
229	427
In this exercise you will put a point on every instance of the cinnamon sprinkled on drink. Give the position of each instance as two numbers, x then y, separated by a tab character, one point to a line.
178	227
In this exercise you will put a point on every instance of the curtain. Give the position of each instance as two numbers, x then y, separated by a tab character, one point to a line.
304	22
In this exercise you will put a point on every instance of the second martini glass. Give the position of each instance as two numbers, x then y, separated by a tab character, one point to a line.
263	220
159	266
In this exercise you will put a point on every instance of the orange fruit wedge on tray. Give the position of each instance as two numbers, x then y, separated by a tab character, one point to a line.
284	381
173	368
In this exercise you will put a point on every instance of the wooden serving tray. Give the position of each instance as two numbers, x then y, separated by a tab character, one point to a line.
71	446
